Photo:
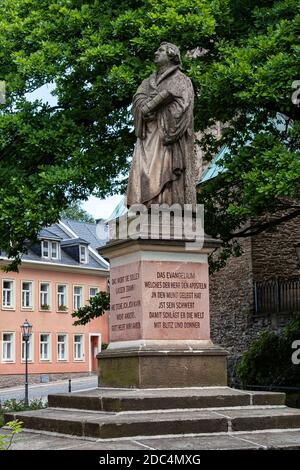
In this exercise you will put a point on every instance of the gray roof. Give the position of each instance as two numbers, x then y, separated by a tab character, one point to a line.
74	241
48	235
81	234
84	230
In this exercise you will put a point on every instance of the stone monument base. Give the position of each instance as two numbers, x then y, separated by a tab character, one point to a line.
159	332
162	368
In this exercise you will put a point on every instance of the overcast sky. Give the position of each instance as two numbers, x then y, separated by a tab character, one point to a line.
98	208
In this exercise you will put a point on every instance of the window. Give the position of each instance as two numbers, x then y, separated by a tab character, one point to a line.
45	249
83	252
45	296
78	347
93	291
30	349
78	301
62	297
8	347
45	347
27	294
8	300
62	346
55	250
50	249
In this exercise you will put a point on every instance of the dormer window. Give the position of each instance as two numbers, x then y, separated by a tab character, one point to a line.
50	250
83	254
45	249
54	250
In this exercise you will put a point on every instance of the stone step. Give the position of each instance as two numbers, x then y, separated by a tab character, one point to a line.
112	399
106	425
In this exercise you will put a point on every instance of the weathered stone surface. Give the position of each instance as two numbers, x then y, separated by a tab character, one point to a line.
165	369
163	169
111	425
284	439
200	417
262	418
111	399
268	255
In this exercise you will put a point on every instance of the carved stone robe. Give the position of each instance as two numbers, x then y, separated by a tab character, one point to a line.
162	169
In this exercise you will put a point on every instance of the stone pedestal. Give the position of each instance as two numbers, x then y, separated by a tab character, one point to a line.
159	329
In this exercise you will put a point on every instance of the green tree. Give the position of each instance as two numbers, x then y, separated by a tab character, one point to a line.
97	52
75	212
97	306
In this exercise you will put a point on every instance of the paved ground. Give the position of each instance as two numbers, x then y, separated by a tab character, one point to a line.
281	439
38	391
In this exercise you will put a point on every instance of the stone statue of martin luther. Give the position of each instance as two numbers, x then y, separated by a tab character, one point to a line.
162	169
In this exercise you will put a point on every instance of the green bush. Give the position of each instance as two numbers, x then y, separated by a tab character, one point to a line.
19	405
269	359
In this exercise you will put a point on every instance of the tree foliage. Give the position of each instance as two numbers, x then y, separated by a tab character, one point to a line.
269	359
75	212
96	52
98	305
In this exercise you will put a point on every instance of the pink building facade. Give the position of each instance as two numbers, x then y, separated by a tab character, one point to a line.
57	276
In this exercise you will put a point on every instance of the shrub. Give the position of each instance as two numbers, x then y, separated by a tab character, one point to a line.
19	405
6	440
269	359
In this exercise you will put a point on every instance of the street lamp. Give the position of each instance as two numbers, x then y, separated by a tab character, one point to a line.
26	332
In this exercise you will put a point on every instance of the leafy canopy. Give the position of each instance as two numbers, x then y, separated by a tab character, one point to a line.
75	212
96	52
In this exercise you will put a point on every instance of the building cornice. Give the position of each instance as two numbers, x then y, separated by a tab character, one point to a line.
59	267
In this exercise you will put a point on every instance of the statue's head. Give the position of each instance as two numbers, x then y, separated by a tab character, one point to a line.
167	53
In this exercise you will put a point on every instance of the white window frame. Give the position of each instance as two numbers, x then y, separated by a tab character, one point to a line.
13	347
31	295
30	349
75	296
47	249
49	296
85	259
48	359
92	287
44	242
57	245
78	359
13	295
66	343
66	297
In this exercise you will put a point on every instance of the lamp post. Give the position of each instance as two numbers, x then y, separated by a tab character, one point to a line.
26	332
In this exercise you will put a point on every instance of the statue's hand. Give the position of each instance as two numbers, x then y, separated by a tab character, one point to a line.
148	115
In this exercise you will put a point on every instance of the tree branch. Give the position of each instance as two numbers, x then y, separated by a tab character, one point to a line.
259	228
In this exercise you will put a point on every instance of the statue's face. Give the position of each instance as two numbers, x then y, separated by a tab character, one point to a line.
161	57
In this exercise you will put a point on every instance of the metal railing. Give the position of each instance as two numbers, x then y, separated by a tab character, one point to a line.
277	296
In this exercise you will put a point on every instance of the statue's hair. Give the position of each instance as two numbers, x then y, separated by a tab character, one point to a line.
173	52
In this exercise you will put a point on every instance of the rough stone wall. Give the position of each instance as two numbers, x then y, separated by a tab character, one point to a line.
265	256
18	379
274	253
231	301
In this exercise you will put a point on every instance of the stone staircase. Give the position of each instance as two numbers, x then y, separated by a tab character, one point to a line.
107	413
